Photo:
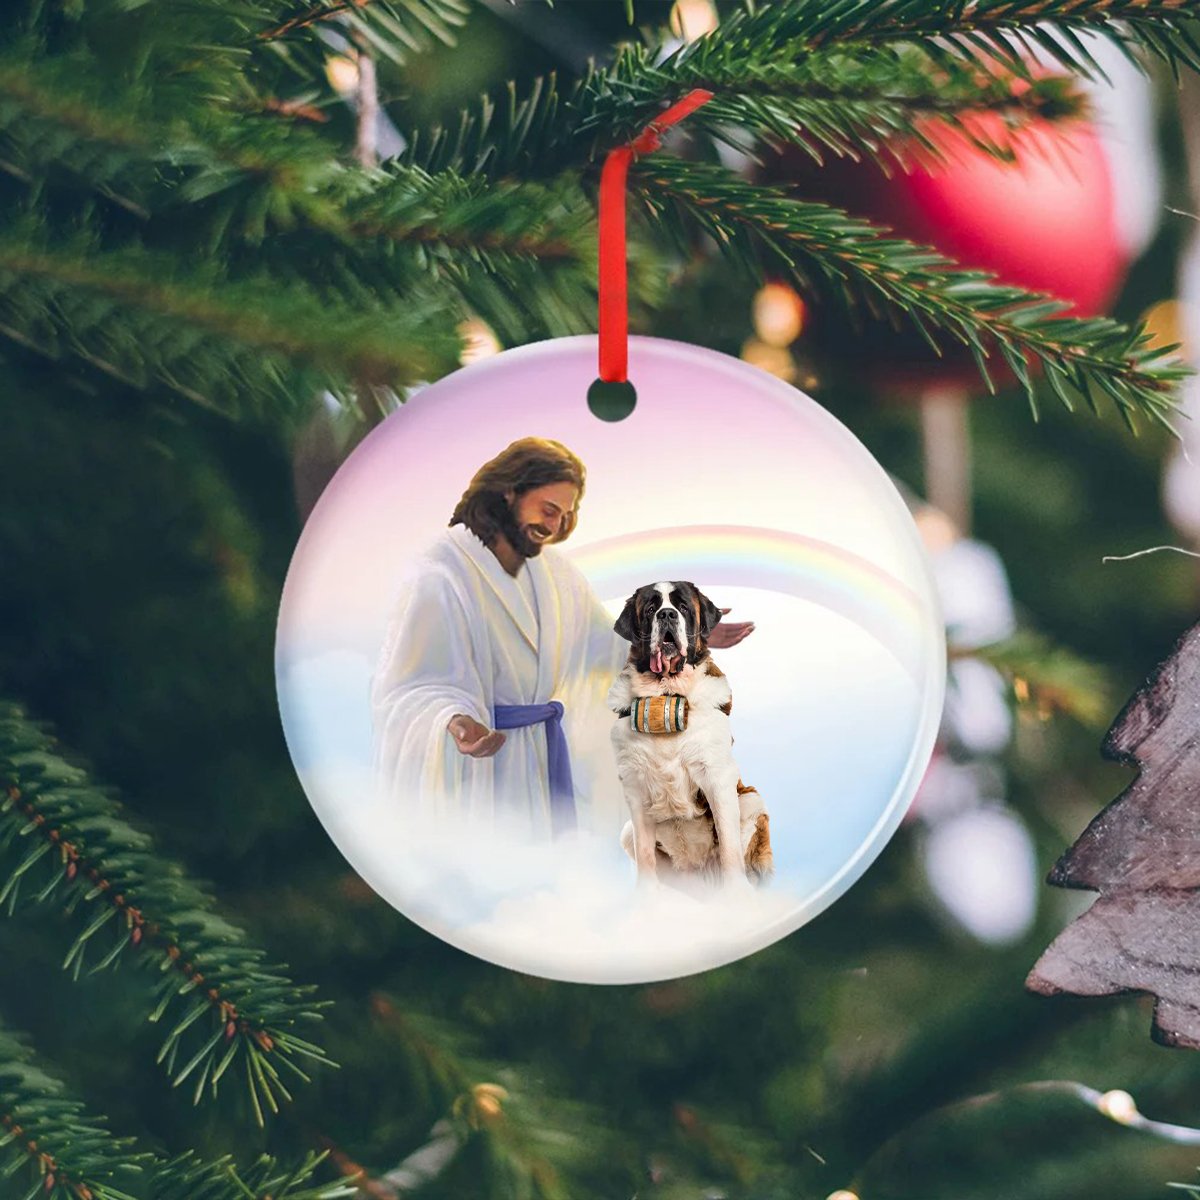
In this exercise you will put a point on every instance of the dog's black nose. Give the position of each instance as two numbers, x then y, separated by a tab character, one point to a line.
663	615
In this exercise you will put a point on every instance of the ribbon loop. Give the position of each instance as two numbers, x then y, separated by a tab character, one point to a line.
614	283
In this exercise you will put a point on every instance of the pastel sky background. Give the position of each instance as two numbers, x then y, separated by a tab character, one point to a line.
837	693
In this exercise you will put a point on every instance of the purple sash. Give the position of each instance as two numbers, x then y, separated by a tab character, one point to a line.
558	760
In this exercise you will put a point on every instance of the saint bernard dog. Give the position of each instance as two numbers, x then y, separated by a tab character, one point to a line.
690	811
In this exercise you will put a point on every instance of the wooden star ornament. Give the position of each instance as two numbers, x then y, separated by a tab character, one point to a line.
1142	855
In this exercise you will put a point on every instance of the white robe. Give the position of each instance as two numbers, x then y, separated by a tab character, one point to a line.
463	639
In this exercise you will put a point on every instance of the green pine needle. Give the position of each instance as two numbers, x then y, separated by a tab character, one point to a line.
73	1150
222	999
880	103
189	1177
823	71
245	347
982	32
1091	358
338	279
1052	679
392	29
48	1138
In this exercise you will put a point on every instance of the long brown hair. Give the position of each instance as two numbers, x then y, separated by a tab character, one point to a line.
526	464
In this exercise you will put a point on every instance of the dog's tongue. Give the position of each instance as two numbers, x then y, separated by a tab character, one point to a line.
656	662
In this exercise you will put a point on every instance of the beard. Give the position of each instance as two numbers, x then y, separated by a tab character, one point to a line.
517	535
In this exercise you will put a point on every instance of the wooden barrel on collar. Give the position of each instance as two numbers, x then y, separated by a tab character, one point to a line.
659	714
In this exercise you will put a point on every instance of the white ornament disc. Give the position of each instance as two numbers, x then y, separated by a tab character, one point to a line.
724	477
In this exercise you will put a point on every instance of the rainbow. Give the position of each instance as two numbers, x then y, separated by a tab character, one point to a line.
789	563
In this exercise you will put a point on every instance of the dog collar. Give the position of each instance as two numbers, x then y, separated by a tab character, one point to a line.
627	710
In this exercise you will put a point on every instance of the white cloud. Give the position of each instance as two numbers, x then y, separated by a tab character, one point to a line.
325	708
568	910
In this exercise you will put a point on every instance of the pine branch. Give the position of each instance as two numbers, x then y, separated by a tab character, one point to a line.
41	126
65	843
62	122
190	1177
808	70
784	68
872	102
217	341
486	246
57	117
394	29
869	101
973	31
242	39
48	1140
1090	358
512	1119
534	136
1193	1190
419	1168
533	220
1048	678
523	256
233	170
46	1133
142	44
312	16
848	106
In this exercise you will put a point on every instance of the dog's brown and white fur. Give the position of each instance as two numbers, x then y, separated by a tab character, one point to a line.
688	807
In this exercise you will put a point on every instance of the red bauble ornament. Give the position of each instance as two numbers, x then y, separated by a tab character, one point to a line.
1046	221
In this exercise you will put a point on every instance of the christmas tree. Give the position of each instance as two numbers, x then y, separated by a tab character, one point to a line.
236	233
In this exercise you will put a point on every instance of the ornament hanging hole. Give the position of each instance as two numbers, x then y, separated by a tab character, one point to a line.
612	400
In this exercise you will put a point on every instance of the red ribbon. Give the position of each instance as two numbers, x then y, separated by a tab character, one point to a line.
614	284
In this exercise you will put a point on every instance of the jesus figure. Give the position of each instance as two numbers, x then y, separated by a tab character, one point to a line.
498	658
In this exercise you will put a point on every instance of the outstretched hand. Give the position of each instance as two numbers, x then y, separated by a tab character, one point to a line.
729	633
472	738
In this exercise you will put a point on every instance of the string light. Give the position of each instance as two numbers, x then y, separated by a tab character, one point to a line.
479	341
342	73
488	1098
807	380
482	1105
693	19
1118	1106
937	531
778	314
775	360
1165	323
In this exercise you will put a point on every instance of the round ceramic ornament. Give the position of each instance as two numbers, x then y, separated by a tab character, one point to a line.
516	700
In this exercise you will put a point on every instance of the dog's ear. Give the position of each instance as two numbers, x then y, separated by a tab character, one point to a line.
626	624
710	614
